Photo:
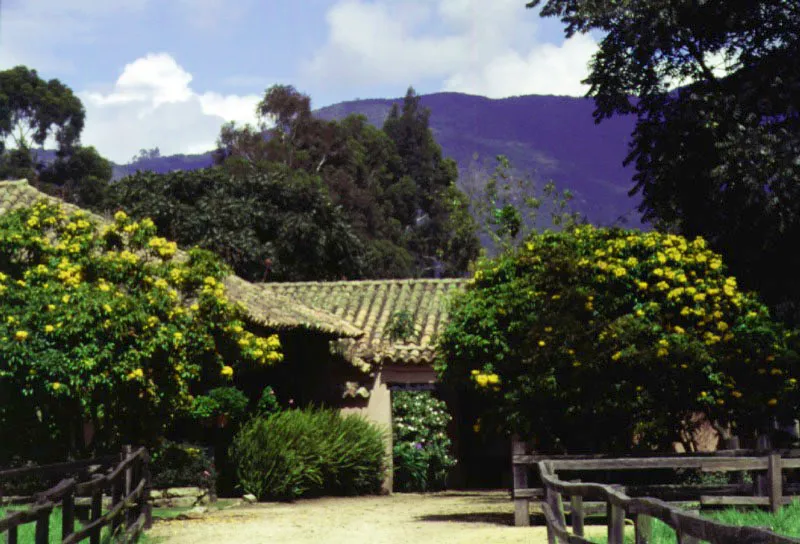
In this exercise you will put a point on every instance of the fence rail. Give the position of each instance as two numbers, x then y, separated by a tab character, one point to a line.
128	484
689	528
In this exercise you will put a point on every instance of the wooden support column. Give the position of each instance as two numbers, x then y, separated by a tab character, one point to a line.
519	475
774	479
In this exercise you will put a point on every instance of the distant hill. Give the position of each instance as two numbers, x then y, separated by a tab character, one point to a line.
554	137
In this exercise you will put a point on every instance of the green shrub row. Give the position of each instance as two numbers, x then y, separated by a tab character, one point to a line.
309	452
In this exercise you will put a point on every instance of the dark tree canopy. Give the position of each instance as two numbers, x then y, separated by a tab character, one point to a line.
32	110
717	140
393	185
276	223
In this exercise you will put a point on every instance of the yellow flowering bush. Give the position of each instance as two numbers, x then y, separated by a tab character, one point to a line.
605	338
102	325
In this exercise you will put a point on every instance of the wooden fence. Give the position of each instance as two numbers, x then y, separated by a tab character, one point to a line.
689	528
127	484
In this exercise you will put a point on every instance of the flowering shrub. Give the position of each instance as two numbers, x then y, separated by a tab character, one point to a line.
599	339
421	445
102	326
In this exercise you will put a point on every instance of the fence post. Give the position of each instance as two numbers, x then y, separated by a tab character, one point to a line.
116	496
576	514
616	523
12	535
760	483
519	472
97	511
644	529
774	479
42	535
126	513
68	514
148	485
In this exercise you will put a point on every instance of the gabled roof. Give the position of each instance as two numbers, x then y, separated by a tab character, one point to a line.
371	306
272	311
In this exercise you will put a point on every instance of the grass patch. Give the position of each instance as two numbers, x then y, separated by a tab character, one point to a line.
26	533
786	522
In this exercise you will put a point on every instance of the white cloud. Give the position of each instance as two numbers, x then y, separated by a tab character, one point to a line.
153	105
489	49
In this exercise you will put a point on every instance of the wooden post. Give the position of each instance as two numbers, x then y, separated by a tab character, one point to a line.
519	473
68	514
644	529
774	479
616	523
12	535
126	512
97	511
116	497
43	528
577	514
760	483
686	539
148	485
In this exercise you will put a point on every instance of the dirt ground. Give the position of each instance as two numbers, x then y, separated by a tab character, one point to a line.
449	517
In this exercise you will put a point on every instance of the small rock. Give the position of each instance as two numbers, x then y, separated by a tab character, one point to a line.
249	498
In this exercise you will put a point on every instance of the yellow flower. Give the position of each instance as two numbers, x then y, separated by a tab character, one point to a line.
49	328
138	373
679	330
548	329
772	402
736	394
56	386
616	356
65	299
542	343
21	335
642	285
177	336
227	371
120	216
493	378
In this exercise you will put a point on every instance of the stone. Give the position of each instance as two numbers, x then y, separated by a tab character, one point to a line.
249	498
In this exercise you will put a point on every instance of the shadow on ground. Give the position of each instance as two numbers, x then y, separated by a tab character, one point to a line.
496	518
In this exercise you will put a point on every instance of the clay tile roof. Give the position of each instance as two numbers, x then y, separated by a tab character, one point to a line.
274	311
371	305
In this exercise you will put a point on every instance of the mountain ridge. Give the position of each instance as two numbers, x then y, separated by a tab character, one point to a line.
553	137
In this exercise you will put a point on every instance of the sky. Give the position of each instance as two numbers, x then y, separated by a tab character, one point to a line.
169	73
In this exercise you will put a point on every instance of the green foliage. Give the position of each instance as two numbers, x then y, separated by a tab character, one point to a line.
267	402
599	339
275	223
297	453
509	206
179	465
717	134
101	326
81	178
422	459
400	326
33	110
393	186
227	401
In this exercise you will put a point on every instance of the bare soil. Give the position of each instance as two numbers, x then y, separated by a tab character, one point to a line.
449	517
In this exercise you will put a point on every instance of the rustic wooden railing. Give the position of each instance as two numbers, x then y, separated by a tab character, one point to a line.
689	528
127	483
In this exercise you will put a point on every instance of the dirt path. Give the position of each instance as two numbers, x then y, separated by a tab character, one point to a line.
449	517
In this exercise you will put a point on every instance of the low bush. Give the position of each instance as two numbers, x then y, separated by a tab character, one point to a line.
309	452
421	446
182	465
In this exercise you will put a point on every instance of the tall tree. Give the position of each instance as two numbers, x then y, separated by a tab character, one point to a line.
275	224
436	212
33	110
715	87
